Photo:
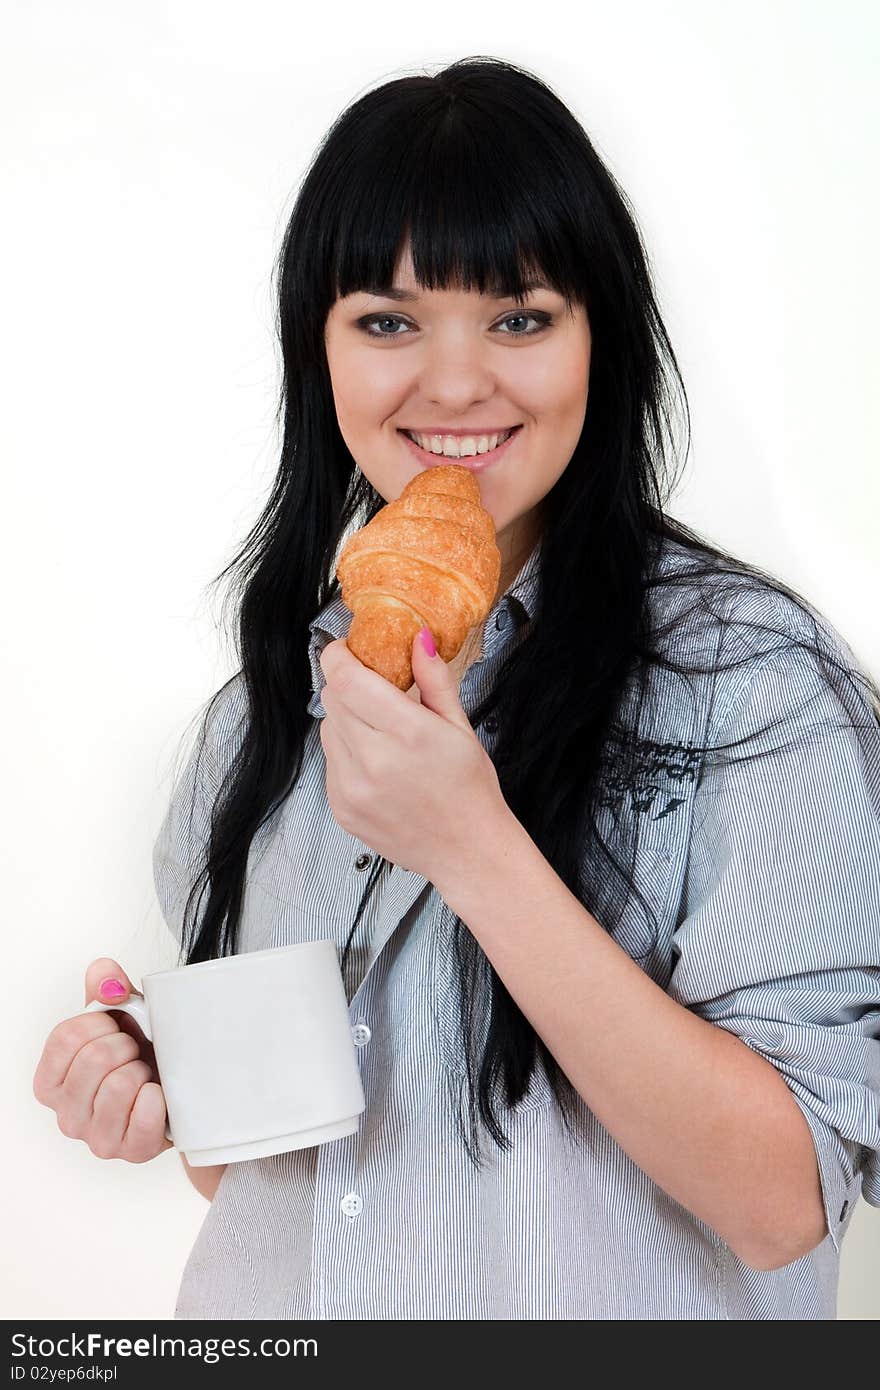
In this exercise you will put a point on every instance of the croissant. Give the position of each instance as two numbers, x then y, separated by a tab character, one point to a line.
429	558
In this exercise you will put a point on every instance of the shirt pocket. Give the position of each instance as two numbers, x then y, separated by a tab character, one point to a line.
641	919
634	888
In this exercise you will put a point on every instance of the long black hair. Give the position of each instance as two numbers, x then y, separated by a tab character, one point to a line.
490	177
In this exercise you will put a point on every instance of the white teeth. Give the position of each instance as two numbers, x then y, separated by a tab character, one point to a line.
454	447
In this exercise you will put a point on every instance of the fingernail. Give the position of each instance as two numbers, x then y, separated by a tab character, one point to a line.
112	989
428	641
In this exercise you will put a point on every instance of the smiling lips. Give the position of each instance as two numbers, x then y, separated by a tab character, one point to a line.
471	450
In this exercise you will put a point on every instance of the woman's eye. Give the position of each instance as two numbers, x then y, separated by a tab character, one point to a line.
541	320
372	321
367	323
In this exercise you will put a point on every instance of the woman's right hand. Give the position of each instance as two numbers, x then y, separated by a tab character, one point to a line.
98	1073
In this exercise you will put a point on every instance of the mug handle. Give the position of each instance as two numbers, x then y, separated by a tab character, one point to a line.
137	1008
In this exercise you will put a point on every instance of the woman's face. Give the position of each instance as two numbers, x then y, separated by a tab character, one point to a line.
435	361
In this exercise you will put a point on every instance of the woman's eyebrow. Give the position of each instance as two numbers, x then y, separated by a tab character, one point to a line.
396	293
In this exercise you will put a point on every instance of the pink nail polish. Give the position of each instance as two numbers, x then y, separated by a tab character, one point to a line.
428	641
112	989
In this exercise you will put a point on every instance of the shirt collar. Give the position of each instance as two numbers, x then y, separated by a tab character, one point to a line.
334	619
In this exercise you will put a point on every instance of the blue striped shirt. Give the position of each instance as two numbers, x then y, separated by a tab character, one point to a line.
765	886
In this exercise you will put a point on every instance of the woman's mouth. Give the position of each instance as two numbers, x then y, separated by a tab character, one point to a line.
445	448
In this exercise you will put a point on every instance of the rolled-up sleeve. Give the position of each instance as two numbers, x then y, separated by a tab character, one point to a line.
779	933
180	847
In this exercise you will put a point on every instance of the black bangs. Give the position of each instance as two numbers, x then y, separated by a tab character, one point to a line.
468	182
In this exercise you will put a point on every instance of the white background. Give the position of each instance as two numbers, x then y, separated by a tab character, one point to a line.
151	153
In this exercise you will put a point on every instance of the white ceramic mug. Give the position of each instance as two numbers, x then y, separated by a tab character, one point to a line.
254	1052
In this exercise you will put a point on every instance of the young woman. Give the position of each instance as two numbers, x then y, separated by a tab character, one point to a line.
605	886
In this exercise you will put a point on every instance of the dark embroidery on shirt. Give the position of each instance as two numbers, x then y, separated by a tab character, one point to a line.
646	781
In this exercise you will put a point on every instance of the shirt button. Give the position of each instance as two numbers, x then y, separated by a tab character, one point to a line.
501	619
491	724
363	861
360	1034
352	1204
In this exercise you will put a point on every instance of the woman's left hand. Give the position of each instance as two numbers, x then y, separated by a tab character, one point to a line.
410	780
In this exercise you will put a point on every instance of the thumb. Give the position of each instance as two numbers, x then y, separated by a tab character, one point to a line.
106	980
438	688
